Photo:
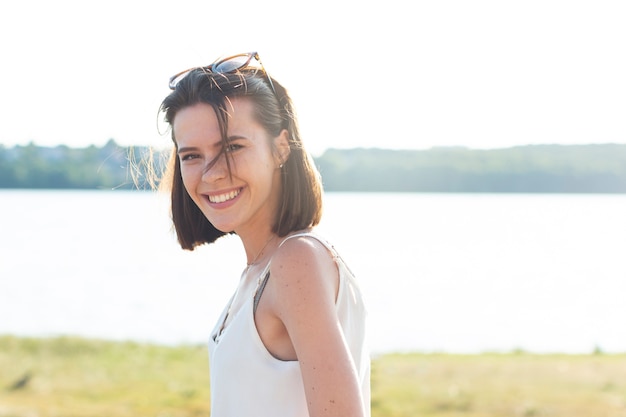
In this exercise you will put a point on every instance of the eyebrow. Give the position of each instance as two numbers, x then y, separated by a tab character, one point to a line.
236	137
187	149
217	144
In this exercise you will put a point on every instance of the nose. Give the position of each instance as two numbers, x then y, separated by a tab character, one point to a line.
215	170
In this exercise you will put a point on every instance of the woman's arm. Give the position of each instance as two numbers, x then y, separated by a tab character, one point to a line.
306	281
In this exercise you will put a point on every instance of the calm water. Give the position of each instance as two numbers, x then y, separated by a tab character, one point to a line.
452	272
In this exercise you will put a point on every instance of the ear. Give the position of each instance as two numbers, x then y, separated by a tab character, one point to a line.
281	144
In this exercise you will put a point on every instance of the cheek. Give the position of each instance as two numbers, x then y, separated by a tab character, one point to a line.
189	179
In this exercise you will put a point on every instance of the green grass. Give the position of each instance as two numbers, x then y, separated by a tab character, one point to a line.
490	385
76	377
73	377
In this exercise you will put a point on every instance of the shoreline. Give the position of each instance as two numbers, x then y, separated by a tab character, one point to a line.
597	350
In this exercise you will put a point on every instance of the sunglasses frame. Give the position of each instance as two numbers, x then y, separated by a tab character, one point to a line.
175	79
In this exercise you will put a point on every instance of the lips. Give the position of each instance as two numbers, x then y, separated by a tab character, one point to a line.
224	197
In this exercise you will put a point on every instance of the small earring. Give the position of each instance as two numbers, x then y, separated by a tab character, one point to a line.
281	165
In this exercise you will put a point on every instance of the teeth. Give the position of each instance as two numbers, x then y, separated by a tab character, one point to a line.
224	197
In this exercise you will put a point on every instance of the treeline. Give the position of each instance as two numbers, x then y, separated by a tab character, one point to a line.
523	169
61	167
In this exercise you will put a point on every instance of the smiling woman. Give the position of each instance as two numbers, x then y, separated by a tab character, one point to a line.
291	341
245	172
273	111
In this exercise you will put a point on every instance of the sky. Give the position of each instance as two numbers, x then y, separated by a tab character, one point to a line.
395	74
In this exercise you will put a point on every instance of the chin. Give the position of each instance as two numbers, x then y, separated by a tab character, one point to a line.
224	228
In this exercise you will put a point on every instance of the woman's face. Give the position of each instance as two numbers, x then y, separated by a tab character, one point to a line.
247	200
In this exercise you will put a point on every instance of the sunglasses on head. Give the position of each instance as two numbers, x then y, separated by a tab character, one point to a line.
225	66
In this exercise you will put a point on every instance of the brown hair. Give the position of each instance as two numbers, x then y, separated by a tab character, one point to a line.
300	204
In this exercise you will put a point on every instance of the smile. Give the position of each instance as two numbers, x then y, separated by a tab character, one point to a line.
222	198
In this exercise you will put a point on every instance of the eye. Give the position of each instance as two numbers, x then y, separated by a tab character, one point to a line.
232	147
189	157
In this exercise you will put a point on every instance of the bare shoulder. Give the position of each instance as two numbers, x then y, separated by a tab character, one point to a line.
303	250
304	270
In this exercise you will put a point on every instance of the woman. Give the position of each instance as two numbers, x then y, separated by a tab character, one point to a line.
291	341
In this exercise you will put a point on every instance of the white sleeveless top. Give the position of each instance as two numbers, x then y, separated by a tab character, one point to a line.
246	380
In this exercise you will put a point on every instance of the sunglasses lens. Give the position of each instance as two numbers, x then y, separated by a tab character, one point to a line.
231	64
175	79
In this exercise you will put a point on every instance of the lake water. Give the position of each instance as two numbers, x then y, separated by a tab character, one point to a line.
440	272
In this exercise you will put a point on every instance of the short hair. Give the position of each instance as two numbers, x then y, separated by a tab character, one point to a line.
300	204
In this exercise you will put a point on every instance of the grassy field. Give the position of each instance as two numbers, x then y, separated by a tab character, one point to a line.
69	377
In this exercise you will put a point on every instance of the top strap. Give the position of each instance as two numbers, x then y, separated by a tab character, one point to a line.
314	236
259	291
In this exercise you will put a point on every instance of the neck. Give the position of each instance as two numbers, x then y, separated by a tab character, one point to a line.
257	248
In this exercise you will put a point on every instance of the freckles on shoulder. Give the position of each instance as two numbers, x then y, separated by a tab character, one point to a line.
305	271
